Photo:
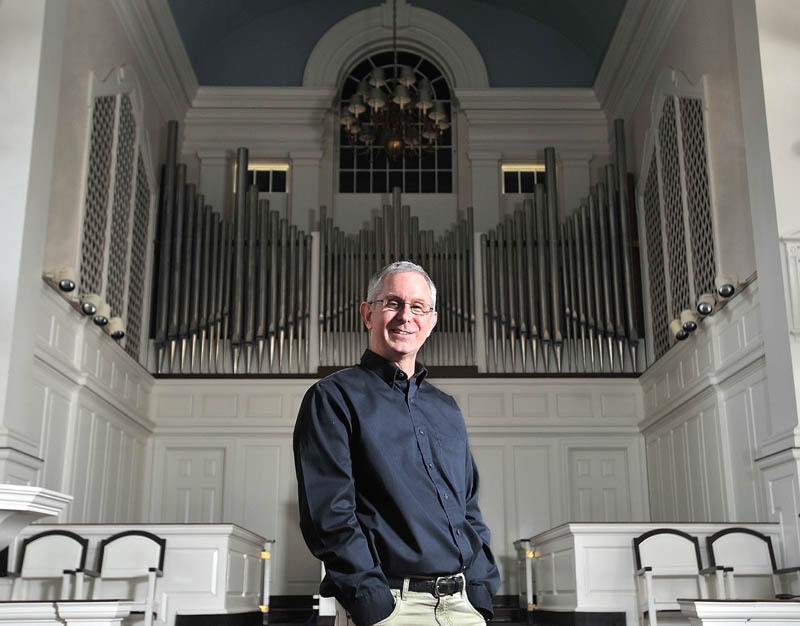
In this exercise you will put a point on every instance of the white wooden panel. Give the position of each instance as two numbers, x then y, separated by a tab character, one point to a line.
715	472
599	481
269	406
530	405
532	482
486	405
618	405
683	488
193	482
491	495
574	405
219	405
174	405
54	439
192	570
260	507
745	497
783	492
697	484
111	482
97	465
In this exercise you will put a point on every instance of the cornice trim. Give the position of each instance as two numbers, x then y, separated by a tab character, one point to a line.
152	32
632	57
527	99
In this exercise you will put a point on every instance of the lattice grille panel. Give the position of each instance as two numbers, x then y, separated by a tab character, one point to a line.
673	208
96	210
655	263
120	211
698	201
141	216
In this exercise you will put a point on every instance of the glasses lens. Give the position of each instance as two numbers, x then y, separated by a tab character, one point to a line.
392	304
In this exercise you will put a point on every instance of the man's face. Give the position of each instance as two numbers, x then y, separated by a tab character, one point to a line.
398	335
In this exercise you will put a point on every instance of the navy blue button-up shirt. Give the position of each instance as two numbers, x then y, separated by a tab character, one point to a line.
387	487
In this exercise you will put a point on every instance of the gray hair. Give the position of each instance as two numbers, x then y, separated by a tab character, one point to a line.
398	267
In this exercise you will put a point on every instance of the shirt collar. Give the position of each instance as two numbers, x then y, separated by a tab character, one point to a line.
387	370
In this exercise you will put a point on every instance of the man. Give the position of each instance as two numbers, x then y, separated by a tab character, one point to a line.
387	485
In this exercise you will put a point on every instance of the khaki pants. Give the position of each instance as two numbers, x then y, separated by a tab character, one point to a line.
414	608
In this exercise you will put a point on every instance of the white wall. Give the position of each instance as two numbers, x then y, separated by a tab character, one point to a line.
94	43
702	44
708	429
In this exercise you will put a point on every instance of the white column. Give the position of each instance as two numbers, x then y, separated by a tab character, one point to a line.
768	54
573	182
767	62
214	183
485	189
304	194
31	42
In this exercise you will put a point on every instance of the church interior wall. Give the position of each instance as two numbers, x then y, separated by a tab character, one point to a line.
132	448
94	46
702	47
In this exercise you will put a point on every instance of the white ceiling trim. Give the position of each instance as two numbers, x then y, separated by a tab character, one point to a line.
159	49
419	30
640	37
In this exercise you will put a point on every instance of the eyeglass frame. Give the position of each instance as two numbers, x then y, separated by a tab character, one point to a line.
403	303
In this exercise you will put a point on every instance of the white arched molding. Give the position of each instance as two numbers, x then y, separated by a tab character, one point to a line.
418	30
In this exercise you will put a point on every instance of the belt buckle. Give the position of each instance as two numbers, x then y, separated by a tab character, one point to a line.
447	582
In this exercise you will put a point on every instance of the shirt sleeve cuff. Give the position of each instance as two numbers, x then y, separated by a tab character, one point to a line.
370	608
480	598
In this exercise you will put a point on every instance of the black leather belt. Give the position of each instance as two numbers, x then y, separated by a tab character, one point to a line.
441	586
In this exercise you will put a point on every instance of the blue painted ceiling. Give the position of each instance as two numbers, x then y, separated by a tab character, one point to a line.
524	43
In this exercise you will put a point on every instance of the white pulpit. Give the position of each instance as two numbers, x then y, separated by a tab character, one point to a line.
20	505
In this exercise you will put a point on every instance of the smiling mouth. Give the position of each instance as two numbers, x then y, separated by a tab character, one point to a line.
402	332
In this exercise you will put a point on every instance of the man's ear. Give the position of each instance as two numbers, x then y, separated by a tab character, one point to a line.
435	318
366	314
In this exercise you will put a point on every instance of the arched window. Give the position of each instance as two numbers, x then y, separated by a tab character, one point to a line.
425	169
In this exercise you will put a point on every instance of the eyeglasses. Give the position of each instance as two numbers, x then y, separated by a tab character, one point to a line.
395	304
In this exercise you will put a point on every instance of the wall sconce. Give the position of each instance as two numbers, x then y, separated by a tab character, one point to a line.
689	320
676	328
115	328
706	304
102	314
64	277
89	303
725	285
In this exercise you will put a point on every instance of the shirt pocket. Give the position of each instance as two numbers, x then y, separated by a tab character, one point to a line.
452	450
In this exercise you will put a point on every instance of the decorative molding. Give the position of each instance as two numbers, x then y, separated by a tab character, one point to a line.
158	46
84	356
791	247
632	57
270	121
520	123
419	30
724	345
528	99
289	98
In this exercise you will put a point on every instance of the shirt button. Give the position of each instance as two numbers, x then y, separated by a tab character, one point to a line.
430	464
458	532
446	496
421	432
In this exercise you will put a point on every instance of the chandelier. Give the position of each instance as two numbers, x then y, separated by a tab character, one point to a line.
393	110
